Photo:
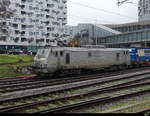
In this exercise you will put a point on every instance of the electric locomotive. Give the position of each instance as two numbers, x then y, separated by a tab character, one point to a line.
52	60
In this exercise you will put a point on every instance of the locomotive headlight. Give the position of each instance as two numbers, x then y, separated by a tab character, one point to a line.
43	60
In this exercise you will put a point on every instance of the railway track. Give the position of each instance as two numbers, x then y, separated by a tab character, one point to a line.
17	80
14	80
68	86
145	111
131	84
88	103
76	105
140	107
37	83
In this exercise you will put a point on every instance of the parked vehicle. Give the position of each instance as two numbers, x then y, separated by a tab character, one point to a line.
15	51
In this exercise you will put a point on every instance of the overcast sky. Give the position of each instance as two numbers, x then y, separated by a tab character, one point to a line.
97	13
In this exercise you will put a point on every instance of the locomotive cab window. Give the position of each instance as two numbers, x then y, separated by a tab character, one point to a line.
61	53
124	52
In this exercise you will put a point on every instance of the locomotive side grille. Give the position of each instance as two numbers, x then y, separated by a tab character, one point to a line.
37	63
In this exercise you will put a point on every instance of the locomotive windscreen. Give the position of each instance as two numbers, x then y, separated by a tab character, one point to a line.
42	53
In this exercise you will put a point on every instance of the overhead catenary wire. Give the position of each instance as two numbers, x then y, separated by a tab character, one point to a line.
102	10
125	1
91	19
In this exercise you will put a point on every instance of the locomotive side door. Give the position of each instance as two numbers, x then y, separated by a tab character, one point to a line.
67	58
118	56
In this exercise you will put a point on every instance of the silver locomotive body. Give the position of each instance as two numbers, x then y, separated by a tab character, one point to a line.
50	60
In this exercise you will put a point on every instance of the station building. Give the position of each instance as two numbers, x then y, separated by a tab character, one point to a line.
135	39
87	34
136	34
130	27
133	34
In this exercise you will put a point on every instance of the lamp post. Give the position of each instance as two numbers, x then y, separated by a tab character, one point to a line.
95	32
81	32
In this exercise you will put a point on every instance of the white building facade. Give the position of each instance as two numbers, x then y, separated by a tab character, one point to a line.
35	22
144	10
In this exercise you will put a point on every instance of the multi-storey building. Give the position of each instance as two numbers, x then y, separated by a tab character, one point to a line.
144	10
87	34
130	27
35	22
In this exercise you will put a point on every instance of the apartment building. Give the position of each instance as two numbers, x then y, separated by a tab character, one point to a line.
35	22
144	10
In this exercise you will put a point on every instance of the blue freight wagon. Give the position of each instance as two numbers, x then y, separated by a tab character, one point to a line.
140	55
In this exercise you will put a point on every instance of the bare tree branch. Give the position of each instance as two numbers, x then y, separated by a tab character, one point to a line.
5	13
120	2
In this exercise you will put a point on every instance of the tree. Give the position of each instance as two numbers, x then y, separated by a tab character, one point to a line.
5	13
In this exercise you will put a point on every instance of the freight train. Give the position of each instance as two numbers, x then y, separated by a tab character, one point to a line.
58	60
140	56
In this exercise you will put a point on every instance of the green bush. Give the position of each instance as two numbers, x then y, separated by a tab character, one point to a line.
13	70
